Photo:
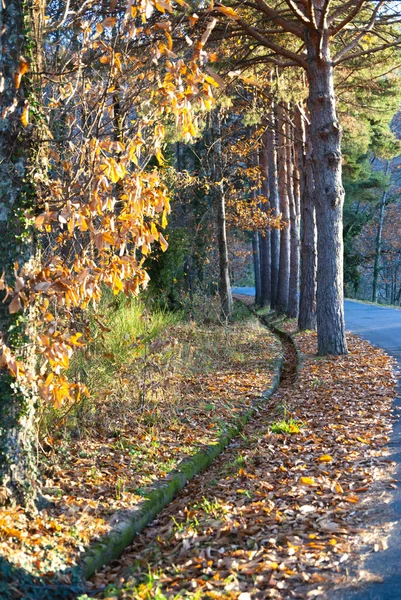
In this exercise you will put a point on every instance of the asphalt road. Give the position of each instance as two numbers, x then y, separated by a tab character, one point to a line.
379	325
382	327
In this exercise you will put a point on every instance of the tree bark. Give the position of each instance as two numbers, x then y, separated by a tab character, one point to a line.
307	300
293	197
284	268
265	256
22	164
256	267
325	134
376	266
226	299
274	202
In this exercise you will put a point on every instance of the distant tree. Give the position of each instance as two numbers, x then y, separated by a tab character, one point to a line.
331	33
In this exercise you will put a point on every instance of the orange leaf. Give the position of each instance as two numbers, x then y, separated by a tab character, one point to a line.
25	115
229	12
15	305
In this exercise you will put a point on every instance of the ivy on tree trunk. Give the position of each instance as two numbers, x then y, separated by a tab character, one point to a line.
21	162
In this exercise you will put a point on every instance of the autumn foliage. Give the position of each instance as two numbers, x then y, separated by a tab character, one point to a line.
101	202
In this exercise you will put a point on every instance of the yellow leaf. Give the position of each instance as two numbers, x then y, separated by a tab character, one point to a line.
308	481
164	220
325	458
352	499
229	12
363	440
25	115
169	40
163	243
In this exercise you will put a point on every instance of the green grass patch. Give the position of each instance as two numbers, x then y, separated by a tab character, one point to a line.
289	426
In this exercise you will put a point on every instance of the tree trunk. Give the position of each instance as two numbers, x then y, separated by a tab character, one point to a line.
307	301
21	162
325	134
284	268
293	196
376	266
265	258
226	299
274	202
256	267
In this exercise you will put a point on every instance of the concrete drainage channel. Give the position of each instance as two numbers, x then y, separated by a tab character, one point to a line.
129	523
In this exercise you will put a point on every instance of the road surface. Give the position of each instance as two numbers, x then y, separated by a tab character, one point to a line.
382	327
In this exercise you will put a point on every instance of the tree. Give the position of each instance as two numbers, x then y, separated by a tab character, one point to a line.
283	179
294	202
318	24
307	301
22	169
220	205
79	174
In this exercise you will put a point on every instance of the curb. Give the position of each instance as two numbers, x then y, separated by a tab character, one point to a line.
133	522
280	333
283	334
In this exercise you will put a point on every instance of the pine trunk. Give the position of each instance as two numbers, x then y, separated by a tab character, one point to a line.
265	258
307	300
21	162
284	268
293	196
376	266
325	134
226	299
274	203
256	267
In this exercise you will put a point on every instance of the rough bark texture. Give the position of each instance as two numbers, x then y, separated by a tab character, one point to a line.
307	299
220	205
325	134
376	266
284	269
256	267
265	257
274	202
21	165
293	197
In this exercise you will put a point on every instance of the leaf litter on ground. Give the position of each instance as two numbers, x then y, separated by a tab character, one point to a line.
279	514
106	462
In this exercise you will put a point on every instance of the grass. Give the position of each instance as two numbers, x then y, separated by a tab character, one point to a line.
122	330
162	388
287	426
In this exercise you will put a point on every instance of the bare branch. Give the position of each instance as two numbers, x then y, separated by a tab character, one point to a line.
343	9
62	20
351	45
298	13
275	16
272	45
396	44
323	15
